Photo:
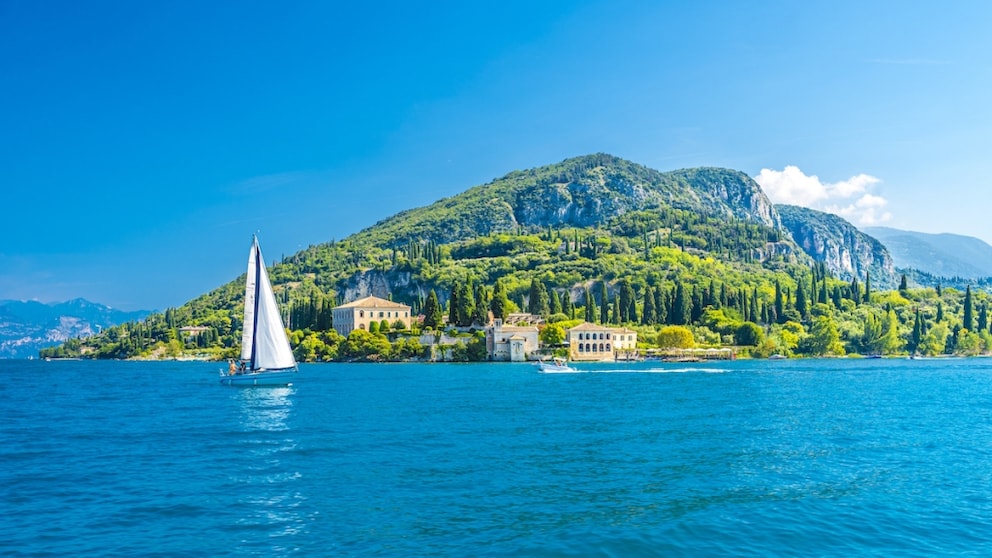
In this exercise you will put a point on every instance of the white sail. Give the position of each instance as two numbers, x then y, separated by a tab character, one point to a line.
264	344
248	326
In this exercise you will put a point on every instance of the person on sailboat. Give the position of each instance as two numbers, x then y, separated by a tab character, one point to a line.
230	367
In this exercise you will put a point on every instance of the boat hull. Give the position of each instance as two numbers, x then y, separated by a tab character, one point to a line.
264	378
552	368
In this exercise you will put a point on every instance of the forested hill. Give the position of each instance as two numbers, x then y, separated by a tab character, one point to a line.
593	237
589	191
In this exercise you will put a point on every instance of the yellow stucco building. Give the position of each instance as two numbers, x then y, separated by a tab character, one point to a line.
360	313
588	341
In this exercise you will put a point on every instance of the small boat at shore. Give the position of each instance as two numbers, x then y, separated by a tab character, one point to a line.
266	356
557	364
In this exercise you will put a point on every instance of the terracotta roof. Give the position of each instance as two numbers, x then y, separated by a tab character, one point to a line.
373	302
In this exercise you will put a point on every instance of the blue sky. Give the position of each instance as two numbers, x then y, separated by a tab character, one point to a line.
141	144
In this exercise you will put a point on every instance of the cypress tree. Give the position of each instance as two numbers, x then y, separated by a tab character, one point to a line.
554	302
680	306
903	286
867	288
696	310
432	310
969	313
779	303
647	316
755	313
615	314
465	307
538	298
500	303
604	304
566	304
590	306
917	335
453	305
983	317
480	314
626	297
801	305
660	305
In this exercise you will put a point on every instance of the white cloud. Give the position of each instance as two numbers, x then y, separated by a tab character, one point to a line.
851	198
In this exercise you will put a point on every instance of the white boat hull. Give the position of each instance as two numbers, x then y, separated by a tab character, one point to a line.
551	368
263	378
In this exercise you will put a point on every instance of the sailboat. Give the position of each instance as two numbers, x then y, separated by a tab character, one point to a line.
266	357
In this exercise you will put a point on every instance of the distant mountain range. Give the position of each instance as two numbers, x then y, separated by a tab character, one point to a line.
941	255
26	327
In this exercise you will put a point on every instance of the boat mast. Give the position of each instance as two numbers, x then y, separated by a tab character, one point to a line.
254	325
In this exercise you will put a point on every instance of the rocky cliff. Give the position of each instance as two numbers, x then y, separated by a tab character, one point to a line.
845	250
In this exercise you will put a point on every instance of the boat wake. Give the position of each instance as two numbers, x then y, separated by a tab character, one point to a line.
638	371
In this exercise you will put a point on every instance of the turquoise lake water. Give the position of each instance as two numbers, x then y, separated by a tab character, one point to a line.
785	458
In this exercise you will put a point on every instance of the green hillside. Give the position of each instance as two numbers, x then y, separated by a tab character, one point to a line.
595	238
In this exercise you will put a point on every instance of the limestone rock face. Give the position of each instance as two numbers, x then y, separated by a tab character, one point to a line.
845	250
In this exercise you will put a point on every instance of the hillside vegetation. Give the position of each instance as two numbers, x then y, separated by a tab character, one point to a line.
592	238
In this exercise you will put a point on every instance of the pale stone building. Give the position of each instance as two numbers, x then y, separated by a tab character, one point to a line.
360	313
513	343
588	341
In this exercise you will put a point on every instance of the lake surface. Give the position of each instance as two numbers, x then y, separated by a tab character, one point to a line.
802	458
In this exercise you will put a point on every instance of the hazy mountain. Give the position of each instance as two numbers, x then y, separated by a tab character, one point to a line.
26	327
942	255
847	251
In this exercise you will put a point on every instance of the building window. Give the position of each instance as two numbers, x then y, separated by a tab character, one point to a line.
361	313
580	348
607	346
